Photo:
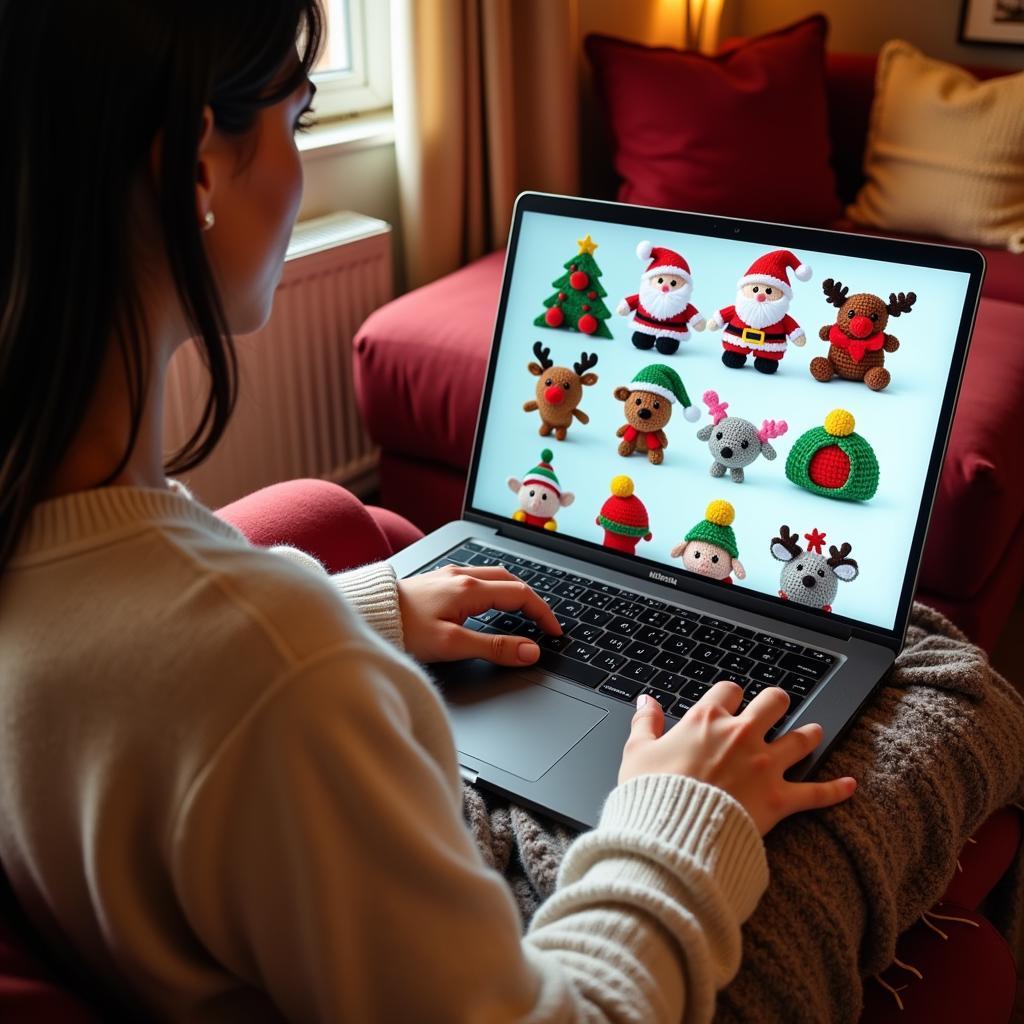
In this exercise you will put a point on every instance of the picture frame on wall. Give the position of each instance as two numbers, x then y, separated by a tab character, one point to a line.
992	22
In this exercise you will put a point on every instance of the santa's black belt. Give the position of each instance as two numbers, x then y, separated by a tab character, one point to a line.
751	334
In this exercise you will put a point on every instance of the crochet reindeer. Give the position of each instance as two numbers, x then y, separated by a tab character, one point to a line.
857	340
735	443
808	577
559	391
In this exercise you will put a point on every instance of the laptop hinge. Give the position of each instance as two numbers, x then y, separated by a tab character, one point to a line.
468	775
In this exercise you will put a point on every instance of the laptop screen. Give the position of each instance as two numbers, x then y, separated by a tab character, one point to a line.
755	415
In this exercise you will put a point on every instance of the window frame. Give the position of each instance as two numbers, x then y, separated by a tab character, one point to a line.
367	85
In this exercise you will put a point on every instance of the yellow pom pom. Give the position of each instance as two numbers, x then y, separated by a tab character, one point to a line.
622	487
719	512
840	423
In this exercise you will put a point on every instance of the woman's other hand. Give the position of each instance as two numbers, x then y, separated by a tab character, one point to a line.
434	606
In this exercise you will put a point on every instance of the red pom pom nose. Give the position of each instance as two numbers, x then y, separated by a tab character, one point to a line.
554	394
761	297
861	326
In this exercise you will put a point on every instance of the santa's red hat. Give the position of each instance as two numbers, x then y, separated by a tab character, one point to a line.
663	261
773	268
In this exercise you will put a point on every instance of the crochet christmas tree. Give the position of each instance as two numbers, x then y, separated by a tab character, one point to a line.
577	304
833	461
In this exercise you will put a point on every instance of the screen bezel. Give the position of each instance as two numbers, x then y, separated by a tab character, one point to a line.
777	236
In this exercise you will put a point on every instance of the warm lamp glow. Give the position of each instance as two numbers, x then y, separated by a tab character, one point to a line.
700	20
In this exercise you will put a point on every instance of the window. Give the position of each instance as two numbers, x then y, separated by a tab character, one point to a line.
353	74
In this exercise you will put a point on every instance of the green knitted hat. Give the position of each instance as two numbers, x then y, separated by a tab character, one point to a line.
715	528
662	380
543	474
833	461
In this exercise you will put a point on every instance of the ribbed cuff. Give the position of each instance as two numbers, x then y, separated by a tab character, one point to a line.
699	822
373	591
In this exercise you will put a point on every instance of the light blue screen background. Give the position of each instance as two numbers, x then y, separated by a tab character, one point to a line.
899	422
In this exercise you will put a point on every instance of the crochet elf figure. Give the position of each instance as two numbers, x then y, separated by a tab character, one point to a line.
540	495
709	549
624	518
647	403
833	461
662	312
759	323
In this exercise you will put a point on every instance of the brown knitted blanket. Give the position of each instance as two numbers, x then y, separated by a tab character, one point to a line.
936	752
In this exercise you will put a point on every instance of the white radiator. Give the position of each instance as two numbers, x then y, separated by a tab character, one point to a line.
296	414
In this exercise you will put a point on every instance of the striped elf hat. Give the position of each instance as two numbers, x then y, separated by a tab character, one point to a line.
543	474
624	512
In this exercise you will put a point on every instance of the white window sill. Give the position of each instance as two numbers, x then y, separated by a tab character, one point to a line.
348	135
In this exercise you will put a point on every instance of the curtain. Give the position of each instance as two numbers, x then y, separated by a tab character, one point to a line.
485	106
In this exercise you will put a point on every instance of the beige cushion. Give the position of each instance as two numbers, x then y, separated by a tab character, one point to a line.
945	152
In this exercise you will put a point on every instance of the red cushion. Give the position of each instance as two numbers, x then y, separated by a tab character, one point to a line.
687	129
980	502
985	858
968	976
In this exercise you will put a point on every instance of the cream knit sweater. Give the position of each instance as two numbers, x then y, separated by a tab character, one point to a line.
230	799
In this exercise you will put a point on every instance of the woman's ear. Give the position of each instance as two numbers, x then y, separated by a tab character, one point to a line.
205	171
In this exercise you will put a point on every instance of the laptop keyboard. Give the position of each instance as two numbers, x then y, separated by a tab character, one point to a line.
622	643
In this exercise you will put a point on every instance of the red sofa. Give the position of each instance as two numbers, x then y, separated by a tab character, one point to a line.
430	346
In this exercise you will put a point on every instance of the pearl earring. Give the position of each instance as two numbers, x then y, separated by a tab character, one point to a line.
209	220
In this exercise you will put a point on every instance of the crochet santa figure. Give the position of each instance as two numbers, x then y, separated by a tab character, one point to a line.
662	312
624	518
759	323
540	494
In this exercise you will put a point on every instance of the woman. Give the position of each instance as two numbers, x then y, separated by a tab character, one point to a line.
226	791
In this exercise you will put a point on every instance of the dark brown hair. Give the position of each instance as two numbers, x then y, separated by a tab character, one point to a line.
87	85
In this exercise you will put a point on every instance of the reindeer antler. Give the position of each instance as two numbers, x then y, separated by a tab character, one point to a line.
834	291
900	303
586	363
788	541
542	355
839	555
770	429
715	407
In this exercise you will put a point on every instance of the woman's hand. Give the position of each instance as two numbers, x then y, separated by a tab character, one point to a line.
435	604
715	745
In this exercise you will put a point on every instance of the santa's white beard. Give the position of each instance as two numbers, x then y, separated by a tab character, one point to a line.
761	314
663	305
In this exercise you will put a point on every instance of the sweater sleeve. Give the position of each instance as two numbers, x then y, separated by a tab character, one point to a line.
371	589
321	857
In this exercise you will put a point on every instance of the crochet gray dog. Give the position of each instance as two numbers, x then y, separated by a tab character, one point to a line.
808	577
734	442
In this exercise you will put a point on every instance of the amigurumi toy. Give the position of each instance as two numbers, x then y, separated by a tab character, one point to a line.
833	461
559	391
808	577
857	340
733	442
624	518
709	549
647	403
540	494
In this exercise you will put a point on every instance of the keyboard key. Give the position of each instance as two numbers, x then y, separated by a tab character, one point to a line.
621	606
573	609
613	642
797	684
624	689
738	644
627	627
609	661
669	661
767	639
588	634
581	651
637	670
554	643
580	581
794	705
530	630
707	635
666	700
707	653
473	545
681	706
685	613
641	652
522	572
461	554
605	588
710	620
767	674
596	599
736	663
668	681
565	621
654	617
791	645
595	616
694	690
679	645
488	616
483	560
543	584
699	670
559	574
803	665
577	671
507	622
769	655
819	656
731	677
570	590
681	627
650	635
651	602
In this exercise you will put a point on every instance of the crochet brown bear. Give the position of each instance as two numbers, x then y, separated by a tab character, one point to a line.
647	403
857	340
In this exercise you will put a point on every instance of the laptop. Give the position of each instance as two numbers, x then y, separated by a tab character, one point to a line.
748	501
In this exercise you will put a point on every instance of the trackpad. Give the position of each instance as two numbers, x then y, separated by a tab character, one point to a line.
522	728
